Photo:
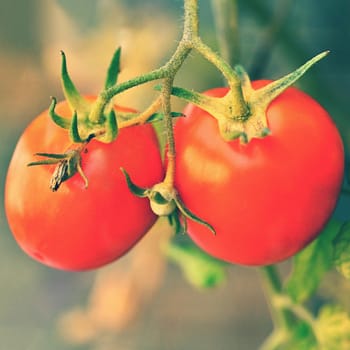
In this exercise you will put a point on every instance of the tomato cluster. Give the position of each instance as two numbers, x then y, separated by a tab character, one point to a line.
266	199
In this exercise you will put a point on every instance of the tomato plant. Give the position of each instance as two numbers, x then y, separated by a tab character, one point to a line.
252	174
269	197
78	228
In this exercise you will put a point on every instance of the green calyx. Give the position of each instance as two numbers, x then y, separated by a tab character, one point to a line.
94	119
165	201
241	113
80	125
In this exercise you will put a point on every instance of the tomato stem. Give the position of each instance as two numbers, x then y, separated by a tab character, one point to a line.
106	95
144	116
191	22
238	104
166	93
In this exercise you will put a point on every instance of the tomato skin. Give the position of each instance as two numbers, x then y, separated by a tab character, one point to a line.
78	228
266	199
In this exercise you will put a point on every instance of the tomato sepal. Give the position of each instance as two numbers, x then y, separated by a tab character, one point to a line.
75	100
74	131
64	123
161	199
156	117
134	189
187	214
111	131
178	226
251	121
165	201
113	69
68	164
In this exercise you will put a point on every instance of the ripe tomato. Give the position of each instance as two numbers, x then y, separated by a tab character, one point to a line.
266	199
78	228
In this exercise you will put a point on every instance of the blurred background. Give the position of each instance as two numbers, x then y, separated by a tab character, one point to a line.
142	301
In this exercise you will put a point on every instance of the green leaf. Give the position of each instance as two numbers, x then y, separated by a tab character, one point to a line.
341	258
302	338
299	337
201	270
311	264
113	69
333	328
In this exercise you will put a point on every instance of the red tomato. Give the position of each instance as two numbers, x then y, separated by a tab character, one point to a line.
78	228
266	199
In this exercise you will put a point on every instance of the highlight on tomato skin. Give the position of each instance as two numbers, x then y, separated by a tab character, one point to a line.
79	228
266	199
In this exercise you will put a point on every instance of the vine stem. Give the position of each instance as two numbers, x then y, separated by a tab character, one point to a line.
106	95
190	40
170	171
190	30
239	106
144	116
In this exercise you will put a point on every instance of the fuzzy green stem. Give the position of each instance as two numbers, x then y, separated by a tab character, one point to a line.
239	105
190	31
166	93
226	23
105	96
191	22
